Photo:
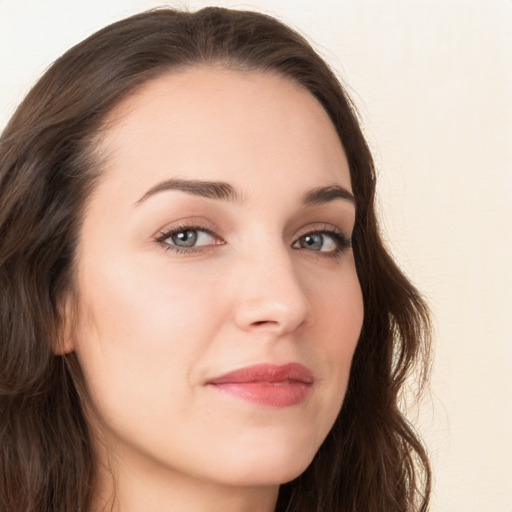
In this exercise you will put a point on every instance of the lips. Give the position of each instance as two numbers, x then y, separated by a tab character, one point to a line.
267	384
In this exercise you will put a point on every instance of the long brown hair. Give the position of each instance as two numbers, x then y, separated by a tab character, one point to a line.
371	461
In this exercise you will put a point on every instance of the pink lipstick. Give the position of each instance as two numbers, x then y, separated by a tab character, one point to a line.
267	384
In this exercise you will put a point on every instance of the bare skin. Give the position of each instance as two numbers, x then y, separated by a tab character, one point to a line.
180	283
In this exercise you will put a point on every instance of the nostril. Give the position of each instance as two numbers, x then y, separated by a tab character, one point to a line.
279	315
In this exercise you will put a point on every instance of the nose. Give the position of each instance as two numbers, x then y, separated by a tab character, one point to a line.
271	296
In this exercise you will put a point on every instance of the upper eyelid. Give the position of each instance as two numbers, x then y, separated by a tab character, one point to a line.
183	225
323	228
167	233
212	230
200	222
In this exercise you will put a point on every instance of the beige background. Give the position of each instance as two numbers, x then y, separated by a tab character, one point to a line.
432	80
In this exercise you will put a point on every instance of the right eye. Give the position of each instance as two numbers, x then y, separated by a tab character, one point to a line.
188	238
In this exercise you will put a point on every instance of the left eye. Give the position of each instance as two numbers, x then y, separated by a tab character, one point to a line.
188	238
318	242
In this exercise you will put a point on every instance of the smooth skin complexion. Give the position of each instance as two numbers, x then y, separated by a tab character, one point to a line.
218	238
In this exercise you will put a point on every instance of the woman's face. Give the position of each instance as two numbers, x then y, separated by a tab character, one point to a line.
219	306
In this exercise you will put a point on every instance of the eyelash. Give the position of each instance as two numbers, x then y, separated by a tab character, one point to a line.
342	242
164	235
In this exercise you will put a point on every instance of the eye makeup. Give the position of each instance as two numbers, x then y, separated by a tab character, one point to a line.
188	238
191	238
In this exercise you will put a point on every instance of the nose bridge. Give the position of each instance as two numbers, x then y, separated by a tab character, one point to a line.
271	295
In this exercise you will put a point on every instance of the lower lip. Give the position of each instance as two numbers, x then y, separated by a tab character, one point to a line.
269	394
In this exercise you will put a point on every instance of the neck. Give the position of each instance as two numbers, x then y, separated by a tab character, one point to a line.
134	489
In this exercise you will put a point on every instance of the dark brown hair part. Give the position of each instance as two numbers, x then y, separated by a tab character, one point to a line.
371	461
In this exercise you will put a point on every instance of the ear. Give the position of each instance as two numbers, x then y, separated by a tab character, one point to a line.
64	342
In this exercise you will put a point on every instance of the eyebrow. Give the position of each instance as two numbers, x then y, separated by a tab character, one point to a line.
322	195
224	191
208	189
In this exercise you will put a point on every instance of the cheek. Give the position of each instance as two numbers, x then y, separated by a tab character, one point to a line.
141	331
146	329
145	303
339	313
337	326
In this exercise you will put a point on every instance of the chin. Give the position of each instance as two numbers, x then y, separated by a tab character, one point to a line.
282	475
270	467
267	453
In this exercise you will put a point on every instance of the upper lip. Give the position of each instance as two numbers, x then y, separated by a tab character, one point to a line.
290	372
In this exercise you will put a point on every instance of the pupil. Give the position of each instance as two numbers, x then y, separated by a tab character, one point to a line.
313	242
186	238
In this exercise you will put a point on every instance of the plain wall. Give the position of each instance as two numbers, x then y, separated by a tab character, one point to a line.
433	82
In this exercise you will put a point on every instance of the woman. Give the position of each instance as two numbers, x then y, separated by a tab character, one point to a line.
197	310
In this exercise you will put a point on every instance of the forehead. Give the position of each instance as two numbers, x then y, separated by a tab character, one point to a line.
216	123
